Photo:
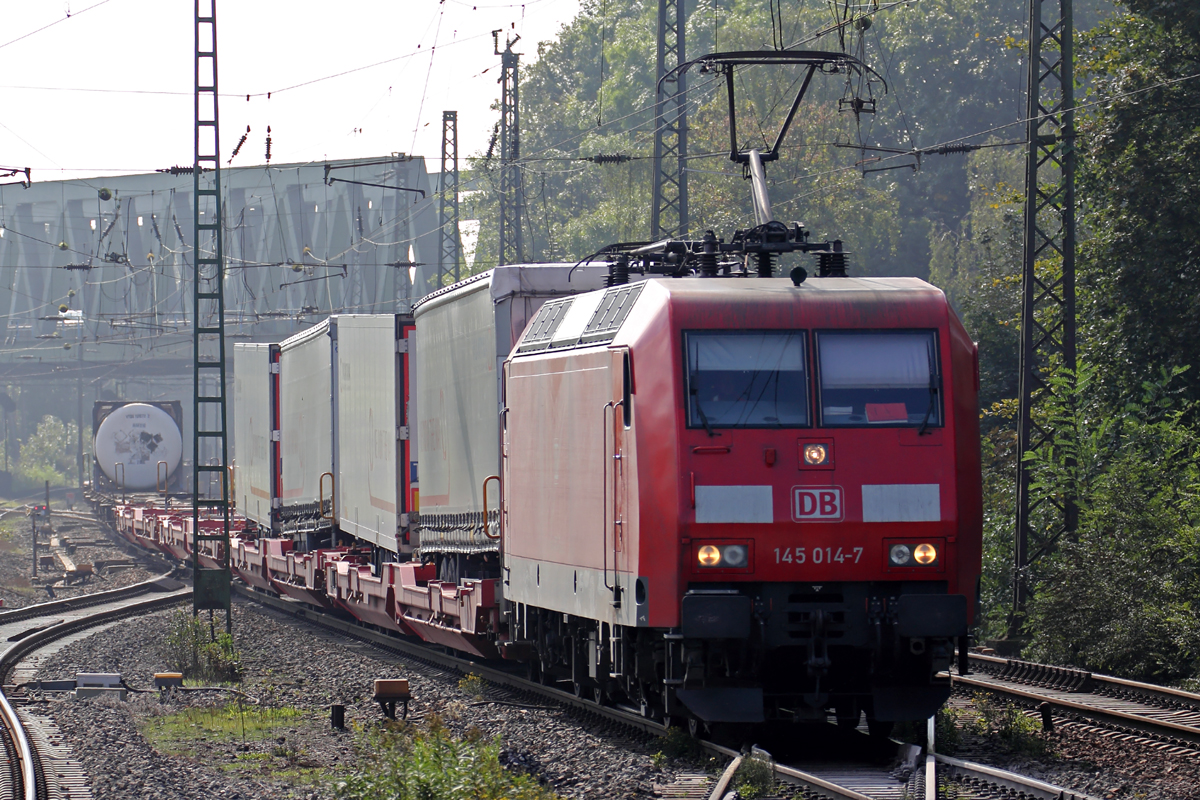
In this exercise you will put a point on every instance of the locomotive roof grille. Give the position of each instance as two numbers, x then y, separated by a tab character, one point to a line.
602	326
542	329
612	311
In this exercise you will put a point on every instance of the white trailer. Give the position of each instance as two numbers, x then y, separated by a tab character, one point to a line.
464	334
372	449
306	430
256	431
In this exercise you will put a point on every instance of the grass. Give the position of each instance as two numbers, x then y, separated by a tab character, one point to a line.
407	762
178	734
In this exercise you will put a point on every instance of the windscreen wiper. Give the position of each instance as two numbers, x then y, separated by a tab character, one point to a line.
703	416
933	392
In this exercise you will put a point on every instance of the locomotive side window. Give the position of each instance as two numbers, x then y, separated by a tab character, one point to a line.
752	379
879	378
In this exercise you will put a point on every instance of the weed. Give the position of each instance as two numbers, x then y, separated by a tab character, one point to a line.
407	763
454	710
948	736
194	649
1002	719
678	743
755	778
658	760
286	750
471	685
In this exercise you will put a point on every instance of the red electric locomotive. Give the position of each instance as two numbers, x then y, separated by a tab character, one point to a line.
738	499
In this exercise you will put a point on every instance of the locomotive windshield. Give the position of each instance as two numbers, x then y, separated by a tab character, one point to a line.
747	380
871	378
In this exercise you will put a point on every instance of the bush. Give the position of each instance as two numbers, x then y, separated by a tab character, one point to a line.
402	762
194	649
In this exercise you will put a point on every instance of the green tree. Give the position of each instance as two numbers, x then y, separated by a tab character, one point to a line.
1117	595
48	455
1140	269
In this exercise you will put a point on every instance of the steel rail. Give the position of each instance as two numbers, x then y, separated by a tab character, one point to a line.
31	778
54	607
1165	694
38	639
1111	717
1022	785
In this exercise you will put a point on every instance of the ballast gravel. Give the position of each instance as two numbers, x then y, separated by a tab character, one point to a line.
89	544
296	666
1094	762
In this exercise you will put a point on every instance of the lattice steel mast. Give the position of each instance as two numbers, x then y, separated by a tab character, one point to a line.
512	199
669	206
1048	278
210	439
448	251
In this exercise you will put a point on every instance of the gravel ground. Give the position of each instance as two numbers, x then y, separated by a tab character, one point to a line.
1108	766
299	667
19	588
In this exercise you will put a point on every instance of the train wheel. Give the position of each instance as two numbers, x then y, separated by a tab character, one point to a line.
695	727
598	696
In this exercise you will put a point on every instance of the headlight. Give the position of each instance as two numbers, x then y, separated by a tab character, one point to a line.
815	454
723	556
924	554
734	555
708	556
900	555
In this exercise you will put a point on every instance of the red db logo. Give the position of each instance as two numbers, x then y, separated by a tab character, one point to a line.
816	503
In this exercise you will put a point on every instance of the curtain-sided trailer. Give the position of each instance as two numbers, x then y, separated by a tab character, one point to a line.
256	431
466	331
322	443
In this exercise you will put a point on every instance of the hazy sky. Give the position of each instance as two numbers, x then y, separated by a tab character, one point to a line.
108	89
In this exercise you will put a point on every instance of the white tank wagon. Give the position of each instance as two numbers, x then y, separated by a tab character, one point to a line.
138	446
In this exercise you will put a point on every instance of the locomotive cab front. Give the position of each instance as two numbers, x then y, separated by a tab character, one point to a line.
783	516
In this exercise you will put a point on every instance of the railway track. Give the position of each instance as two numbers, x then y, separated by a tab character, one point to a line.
1168	716
21	777
36	765
917	776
